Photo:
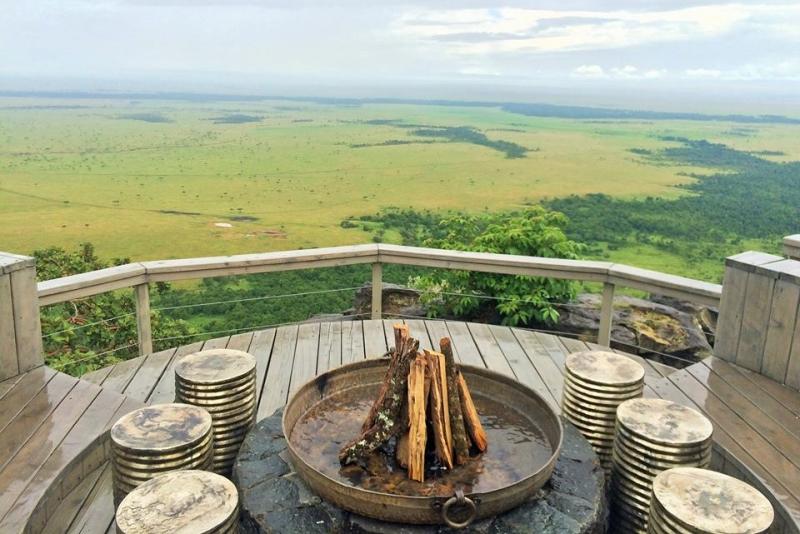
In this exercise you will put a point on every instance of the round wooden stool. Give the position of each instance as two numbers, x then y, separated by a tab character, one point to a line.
595	383
223	382
156	439
181	502
652	435
687	499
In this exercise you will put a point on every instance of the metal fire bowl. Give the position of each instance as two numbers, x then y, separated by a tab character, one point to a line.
368	375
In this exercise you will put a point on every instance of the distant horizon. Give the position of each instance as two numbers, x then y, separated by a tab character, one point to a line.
741	98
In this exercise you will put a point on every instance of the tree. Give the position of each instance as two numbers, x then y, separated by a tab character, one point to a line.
85	334
519	299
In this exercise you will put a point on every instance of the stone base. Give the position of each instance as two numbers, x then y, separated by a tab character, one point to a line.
275	500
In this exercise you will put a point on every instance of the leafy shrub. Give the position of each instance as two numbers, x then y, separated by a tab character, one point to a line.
78	332
521	299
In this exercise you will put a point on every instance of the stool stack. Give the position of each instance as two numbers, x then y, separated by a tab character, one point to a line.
687	499
223	382
183	502
157	439
595	383
652	435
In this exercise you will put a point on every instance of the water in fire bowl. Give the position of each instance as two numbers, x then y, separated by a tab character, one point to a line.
517	447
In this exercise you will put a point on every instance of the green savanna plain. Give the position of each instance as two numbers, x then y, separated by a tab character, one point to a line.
156	179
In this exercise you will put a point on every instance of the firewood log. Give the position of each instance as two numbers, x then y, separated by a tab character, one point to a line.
388	418
438	414
369	421
401	335
460	441
473	422
418	429
427	383
442	370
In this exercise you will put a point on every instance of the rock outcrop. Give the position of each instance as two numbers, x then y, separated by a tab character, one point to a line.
397	300
639	324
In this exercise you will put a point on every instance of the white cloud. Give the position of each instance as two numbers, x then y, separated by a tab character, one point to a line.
589	71
514	30
362	42
782	70
628	72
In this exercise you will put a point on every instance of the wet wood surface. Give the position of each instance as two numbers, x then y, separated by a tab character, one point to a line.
45	421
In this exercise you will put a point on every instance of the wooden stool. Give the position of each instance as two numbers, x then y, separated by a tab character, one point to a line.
595	383
223	382
156	439
652	435
182	502
687	499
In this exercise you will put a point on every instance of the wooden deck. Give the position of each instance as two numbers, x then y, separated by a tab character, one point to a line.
48	420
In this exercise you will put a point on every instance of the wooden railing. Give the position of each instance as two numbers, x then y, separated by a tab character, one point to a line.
139	275
791	246
20	329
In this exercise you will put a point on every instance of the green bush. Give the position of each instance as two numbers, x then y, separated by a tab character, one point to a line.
520	299
78	332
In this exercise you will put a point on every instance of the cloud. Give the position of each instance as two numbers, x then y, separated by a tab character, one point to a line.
364	42
589	71
515	30
628	72
781	70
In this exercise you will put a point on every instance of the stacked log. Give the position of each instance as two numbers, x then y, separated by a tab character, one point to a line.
423	403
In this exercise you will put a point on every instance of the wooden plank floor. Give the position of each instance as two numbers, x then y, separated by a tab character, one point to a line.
47	421
755	419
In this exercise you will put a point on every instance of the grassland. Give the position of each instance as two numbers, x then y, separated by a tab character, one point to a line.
161	179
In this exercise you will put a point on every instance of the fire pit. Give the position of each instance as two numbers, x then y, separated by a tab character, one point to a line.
274	498
524	437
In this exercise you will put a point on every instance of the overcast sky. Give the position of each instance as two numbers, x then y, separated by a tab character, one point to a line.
582	42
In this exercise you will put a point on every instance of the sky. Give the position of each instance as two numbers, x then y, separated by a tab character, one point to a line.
250	44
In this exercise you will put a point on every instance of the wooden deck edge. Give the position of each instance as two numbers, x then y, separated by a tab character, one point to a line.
95	455
786	521
38	505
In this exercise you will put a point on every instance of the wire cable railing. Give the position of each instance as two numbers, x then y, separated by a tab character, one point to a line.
253	299
94	356
87	325
678	361
668	359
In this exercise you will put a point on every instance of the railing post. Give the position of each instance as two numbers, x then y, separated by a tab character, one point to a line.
758	316
606	315
377	290
143	327
20	325
791	246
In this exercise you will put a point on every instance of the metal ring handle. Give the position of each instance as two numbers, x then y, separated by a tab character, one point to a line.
460	500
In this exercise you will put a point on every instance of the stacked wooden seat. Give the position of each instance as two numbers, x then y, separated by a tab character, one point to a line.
223	382
687	499
595	383
157	439
652	435
182	502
